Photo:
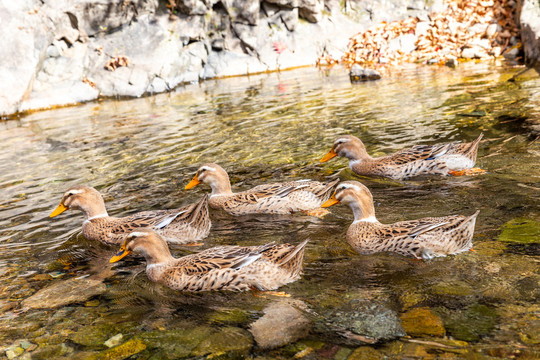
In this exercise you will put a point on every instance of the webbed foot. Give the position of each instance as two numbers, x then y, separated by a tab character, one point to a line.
320	212
467	172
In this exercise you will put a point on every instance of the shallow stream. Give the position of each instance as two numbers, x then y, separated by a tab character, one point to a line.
140	153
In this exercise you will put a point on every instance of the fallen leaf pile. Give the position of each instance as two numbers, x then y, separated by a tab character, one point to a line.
116	62
479	29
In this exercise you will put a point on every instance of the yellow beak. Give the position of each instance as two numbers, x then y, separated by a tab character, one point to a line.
194	182
331	154
60	209
122	253
331	201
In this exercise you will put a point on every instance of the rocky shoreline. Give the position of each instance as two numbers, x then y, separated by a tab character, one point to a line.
64	52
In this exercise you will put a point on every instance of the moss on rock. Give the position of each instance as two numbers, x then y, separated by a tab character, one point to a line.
521	230
120	352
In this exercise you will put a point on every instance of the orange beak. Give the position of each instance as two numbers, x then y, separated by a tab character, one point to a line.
60	209
331	154
331	201
194	182
122	253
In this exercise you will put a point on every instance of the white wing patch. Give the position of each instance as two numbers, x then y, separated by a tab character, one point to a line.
168	220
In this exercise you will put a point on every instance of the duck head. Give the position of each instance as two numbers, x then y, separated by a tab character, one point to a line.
357	197
146	242
347	146
83	198
213	175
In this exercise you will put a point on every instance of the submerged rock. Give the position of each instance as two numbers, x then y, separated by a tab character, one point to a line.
365	353
64	292
230	316
196	341
178	343
97	335
226	340
422	321
470	324
281	324
455	288
358	74
359	322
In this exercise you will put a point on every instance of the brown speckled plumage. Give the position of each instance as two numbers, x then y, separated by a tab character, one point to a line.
277	198
423	238
181	226
235	268
418	160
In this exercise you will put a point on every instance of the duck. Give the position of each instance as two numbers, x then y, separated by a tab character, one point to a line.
277	198
442	159
234	268
188	224
424	238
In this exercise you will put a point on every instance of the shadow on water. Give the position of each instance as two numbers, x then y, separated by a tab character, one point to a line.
141	153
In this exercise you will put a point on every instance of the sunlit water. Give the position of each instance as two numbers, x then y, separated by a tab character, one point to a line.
141	153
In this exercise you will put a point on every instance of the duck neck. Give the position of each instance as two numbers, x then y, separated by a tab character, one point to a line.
363	211
94	211
221	187
157	264
357	155
158	254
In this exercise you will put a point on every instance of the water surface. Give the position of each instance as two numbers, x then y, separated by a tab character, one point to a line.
140	153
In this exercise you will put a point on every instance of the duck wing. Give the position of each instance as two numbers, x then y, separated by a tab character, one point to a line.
220	257
281	190
419	152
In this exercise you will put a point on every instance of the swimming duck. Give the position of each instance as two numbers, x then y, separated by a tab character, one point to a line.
423	238
235	268
277	198
444	159
181	226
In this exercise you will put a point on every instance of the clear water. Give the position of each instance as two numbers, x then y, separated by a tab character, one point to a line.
140	153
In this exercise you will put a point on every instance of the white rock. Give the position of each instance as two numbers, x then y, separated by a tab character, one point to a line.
468	53
479	28
114	341
493	29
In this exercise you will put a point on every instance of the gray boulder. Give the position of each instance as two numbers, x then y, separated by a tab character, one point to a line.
358	74
25	38
244	12
530	30
55	52
311	10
